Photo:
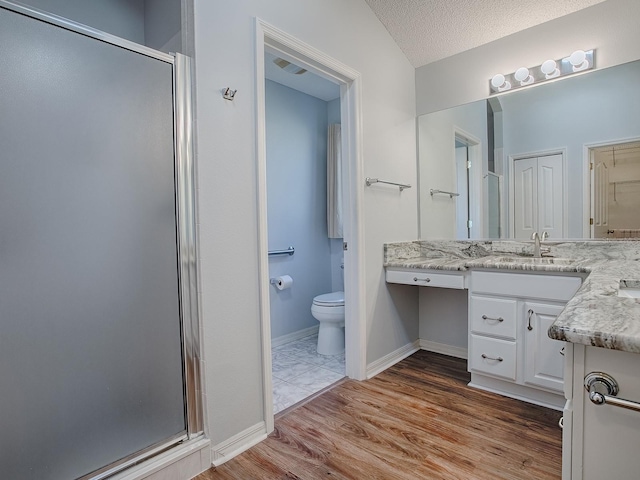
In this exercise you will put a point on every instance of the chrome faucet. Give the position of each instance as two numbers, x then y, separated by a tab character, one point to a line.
537	239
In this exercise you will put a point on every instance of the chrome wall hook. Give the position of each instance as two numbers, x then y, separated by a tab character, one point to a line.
228	94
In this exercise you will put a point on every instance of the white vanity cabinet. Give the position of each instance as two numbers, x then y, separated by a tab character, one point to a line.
509	349
543	360
601	441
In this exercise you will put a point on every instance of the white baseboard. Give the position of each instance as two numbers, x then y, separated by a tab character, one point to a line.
450	350
181	462
225	451
555	401
374	368
292	337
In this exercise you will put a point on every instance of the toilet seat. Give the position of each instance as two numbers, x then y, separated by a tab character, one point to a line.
333	299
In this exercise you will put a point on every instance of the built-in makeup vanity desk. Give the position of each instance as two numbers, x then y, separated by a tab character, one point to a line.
542	329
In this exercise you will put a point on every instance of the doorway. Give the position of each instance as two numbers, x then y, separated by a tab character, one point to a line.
615	190
305	230
349	82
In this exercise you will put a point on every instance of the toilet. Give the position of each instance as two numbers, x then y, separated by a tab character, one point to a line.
328	309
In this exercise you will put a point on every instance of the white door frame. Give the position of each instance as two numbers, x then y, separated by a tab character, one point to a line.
475	193
289	47
565	194
587	188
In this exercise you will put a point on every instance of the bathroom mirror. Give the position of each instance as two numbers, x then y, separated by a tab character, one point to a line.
520	162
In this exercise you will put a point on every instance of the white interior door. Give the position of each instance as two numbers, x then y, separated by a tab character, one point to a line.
526	197
538	196
550	194
462	187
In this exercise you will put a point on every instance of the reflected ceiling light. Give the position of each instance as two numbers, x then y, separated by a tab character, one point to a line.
522	75
550	69
578	61
499	83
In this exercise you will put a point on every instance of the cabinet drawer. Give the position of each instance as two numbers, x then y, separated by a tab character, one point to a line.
493	316
426	278
493	356
550	287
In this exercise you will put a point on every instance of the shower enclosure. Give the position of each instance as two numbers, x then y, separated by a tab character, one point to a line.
99	341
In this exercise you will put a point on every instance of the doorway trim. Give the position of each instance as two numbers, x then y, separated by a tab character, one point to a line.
474	190
587	186
350	84
512	198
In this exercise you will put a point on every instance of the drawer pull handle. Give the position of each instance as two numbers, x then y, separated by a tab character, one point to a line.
499	319
416	279
562	351
603	389
529	327
487	357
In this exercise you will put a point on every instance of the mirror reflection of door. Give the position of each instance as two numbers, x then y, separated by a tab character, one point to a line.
463	217
615	190
538	196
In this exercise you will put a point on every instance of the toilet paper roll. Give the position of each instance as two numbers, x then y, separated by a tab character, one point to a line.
283	282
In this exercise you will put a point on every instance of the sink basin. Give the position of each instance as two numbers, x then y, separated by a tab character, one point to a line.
535	260
629	289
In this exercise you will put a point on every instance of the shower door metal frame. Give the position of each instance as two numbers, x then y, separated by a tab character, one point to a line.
186	241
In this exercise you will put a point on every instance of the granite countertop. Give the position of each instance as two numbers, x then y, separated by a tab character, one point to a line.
595	316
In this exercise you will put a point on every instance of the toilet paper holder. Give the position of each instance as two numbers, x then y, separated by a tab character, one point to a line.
282	282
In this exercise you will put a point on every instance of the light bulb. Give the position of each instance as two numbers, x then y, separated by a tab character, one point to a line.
550	69
578	60
522	75
498	80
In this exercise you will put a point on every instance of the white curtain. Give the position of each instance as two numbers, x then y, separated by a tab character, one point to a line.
334	182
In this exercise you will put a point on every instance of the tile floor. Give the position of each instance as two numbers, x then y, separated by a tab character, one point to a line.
299	371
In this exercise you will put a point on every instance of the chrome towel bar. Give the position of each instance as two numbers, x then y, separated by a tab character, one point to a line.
288	251
603	389
370	181
451	194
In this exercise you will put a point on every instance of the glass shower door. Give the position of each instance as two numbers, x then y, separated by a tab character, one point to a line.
91	364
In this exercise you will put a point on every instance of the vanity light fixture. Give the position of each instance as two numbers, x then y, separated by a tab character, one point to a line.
499	83
577	62
550	69
522	75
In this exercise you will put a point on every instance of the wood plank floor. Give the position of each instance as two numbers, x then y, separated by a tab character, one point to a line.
416	420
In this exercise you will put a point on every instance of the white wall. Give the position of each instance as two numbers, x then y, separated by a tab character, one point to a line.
598	107
296	126
444	316
611	27
225	57
162	22
124	18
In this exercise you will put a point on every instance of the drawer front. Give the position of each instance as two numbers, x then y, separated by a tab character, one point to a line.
549	287
425	278
493	316
492	356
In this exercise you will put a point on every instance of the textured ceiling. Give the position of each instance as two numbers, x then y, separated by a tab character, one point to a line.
429	30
